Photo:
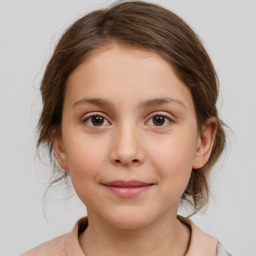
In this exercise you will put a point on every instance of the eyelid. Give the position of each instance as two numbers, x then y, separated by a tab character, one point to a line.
160	113
102	114
92	114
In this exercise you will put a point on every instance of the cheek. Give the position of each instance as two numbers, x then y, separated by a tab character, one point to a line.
176	155
173	162
85	160
85	163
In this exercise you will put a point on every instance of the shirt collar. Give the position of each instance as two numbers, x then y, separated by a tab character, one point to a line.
201	244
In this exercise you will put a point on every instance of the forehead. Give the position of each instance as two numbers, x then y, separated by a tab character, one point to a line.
122	71
116	55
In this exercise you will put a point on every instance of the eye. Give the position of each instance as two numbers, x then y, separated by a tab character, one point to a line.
159	120
95	120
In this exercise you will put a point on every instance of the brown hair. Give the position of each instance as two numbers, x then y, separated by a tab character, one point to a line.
145	25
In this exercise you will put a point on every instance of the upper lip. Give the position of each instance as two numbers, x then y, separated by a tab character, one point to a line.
128	183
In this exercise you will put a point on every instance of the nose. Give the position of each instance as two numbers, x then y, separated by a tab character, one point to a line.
126	146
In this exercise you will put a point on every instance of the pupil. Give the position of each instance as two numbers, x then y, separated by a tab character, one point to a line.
97	120
158	120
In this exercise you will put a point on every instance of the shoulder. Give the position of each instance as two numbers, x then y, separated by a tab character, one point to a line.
221	251
202	243
54	247
65	245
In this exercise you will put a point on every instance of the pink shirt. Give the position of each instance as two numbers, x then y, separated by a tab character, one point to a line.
201	244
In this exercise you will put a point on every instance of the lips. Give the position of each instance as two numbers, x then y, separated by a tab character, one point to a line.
129	183
127	189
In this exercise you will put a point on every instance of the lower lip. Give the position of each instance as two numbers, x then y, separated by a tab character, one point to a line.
128	192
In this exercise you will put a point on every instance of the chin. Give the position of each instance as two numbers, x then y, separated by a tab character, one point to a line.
130	220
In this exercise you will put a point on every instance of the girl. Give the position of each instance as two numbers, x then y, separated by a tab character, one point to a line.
129	110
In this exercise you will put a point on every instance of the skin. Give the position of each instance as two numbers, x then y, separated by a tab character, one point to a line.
130	145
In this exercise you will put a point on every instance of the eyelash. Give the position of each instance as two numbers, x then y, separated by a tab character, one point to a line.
166	118
89	119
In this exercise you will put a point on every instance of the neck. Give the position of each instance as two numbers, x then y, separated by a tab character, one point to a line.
164	238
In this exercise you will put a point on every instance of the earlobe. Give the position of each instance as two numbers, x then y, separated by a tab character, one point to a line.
205	143
59	150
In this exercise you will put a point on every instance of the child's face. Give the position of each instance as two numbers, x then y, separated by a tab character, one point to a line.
128	118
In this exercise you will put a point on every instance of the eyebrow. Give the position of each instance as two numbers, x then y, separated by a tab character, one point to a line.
148	103
161	101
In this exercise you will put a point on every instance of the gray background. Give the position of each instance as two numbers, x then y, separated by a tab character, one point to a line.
29	31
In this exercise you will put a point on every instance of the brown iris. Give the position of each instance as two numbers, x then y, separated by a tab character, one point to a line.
158	120
97	120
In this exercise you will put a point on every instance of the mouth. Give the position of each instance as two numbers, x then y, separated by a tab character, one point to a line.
127	189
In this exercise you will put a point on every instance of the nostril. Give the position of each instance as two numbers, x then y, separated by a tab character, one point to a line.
126	163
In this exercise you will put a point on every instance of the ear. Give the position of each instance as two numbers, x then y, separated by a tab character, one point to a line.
59	150
205	143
